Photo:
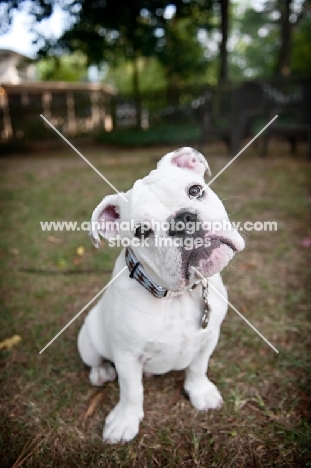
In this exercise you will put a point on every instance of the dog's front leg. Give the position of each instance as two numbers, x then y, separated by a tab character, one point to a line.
202	392
122	423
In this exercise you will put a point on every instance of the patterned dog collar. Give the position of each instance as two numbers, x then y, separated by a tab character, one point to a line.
137	272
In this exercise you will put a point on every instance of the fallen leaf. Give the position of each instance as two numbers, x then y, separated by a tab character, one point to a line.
55	240
8	343
14	251
80	250
95	402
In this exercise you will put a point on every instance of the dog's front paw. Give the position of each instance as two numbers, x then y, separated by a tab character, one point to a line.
102	374
205	396
122	424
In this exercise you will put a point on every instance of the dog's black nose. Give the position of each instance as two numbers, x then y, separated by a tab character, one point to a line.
182	224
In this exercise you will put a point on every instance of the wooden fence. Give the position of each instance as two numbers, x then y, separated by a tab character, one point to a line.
72	108
82	108
77	109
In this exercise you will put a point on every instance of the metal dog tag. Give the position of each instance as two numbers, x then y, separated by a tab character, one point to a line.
206	308
206	315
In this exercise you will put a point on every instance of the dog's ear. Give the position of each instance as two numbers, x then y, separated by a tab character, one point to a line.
186	158
104	220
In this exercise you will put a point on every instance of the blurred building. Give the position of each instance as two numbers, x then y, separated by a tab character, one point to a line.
16	68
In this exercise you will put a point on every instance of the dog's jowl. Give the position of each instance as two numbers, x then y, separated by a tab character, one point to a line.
160	314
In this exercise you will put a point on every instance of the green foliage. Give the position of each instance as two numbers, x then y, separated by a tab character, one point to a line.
164	39
256	40
122	33
151	75
65	68
256	37
183	55
110	30
211	73
181	60
125	31
301	51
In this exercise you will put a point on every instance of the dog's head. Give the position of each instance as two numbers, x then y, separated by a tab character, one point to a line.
173	222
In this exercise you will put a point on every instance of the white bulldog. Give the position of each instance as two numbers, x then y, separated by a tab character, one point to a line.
154	318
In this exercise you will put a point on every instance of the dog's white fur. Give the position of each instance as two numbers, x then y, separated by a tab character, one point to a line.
140	333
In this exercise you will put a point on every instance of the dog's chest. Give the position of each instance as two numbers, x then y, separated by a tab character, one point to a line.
176	338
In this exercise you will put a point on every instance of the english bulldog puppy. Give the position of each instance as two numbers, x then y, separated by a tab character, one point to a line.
160	314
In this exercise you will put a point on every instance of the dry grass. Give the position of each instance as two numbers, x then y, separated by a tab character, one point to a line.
52	417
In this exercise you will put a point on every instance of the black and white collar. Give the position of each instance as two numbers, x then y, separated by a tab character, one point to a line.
138	272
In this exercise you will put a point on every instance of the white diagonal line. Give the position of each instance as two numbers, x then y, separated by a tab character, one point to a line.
246	146
82	310
238	312
83	157
233	159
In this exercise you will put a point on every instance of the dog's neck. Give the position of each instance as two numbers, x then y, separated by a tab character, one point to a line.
138	272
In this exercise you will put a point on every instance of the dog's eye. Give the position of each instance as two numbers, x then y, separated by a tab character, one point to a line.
142	231
195	191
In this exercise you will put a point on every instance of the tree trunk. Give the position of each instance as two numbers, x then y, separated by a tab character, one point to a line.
283	64
223	52
136	93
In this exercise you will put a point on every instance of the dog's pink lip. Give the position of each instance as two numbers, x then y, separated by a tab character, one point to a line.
223	240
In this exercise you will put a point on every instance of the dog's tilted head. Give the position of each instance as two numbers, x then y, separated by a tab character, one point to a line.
173	221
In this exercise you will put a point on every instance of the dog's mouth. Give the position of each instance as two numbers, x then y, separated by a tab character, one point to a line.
209	258
225	241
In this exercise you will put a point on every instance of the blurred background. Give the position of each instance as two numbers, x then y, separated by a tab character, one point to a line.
146	72
127	81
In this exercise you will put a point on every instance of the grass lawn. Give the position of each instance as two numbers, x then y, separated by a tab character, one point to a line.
50	416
